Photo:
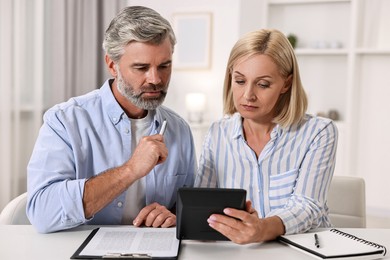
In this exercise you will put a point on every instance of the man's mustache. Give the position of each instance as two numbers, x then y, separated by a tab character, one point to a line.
153	87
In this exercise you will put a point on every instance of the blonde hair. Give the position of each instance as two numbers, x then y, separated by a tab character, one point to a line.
292	105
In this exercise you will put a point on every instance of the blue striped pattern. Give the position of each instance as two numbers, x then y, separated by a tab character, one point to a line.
290	178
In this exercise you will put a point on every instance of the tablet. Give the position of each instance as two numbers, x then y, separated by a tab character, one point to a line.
195	205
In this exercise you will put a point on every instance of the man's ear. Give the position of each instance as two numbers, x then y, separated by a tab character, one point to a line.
110	66
287	85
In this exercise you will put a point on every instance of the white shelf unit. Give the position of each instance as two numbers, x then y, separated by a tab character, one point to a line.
338	41
368	51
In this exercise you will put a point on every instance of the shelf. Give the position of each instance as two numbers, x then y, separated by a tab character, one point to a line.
297	2
366	51
312	51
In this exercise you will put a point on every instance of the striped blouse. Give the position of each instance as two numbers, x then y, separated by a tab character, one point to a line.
289	179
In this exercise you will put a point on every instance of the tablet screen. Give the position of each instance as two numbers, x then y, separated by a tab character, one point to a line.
195	205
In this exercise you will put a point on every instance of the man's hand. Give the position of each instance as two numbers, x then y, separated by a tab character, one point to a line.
150	151
102	189
155	215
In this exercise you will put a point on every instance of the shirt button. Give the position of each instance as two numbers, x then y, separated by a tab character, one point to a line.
127	131
120	204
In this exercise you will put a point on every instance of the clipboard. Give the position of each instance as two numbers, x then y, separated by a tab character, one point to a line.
105	243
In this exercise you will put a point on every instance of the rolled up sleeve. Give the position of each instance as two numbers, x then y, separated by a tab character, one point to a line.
54	193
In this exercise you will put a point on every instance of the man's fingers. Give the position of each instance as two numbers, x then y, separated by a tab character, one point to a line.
150	151
158	216
155	215
142	215
155	218
169	222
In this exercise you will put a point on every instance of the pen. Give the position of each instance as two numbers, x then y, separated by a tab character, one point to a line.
316	241
163	127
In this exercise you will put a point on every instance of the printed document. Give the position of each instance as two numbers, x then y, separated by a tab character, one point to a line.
129	240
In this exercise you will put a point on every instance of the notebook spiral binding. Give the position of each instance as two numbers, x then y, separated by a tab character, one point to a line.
359	239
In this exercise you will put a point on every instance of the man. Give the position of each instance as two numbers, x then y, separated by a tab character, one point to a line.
99	158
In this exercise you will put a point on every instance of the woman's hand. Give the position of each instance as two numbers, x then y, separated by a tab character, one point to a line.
244	227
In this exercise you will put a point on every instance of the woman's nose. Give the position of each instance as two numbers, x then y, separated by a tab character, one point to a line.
249	94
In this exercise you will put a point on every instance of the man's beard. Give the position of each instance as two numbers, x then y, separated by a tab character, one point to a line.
136	98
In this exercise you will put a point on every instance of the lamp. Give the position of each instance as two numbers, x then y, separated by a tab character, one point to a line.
195	106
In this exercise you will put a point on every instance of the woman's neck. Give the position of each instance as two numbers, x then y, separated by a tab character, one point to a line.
257	135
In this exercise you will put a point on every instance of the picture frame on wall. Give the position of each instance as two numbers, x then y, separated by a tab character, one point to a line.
193	34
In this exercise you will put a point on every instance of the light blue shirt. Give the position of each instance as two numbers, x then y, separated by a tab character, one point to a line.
88	135
289	179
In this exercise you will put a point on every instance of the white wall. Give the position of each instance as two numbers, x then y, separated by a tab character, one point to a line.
373	153
225	32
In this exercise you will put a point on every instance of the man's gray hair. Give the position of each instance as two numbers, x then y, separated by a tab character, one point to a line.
136	23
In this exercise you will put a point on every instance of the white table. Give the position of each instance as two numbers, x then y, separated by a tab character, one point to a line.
21	242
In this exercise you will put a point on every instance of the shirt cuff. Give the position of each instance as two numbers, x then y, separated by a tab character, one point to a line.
72	201
289	221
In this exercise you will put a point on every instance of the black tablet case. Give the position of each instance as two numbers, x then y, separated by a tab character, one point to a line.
195	205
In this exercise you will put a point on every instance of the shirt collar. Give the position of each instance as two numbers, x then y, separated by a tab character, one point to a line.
238	131
114	110
237	126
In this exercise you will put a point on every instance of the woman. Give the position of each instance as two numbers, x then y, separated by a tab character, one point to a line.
268	145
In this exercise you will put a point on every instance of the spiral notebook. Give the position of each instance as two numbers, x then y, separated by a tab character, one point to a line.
334	244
